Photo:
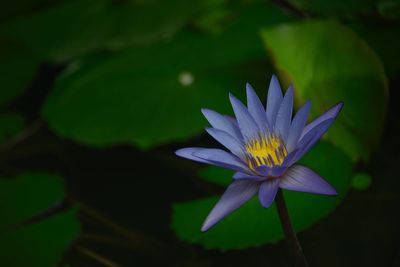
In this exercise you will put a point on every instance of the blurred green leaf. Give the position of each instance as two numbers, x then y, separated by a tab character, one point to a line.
252	225
27	195
153	95
41	243
17	68
328	63
361	181
10	124
217	175
75	28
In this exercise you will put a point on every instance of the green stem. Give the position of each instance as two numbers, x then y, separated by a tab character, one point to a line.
290	234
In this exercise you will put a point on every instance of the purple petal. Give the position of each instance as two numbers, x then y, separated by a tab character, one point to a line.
274	100
329	114
268	191
245	176
222	123
288	161
188	153
228	141
297	126
284	116
234	122
256	109
221	158
311	138
303	179
267	171
235	195
247	125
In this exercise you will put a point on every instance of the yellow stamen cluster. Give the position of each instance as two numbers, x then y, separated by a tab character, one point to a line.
266	150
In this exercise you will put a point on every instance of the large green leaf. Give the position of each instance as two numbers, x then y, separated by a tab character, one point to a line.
39	243
18	66
327	62
252	225
75	28
154	95
27	195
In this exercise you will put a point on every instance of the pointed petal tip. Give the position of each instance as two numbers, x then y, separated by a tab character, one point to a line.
266	205
290	89
332	192
179	152
340	105
186	152
204	228
249	87
206	111
232	97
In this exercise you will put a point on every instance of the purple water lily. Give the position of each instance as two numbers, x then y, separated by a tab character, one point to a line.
264	144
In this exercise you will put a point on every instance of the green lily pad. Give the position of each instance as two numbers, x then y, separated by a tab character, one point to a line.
327	63
153	95
18	66
39	243
75	28
251	225
10	124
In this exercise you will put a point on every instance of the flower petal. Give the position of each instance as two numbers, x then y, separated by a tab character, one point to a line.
274	100
284	116
329	114
228	141
267	192
235	195
297	126
245	176
256	109
267	171
247	125
221	158
188	153
311	138
303	179
222	123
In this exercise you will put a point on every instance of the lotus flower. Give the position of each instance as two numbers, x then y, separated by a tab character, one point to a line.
263	146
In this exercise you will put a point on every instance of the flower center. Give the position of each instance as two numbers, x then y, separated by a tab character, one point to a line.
266	150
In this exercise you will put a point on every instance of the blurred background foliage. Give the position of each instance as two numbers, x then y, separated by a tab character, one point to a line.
97	95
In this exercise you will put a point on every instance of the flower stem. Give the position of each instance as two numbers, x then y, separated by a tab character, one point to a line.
289	231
